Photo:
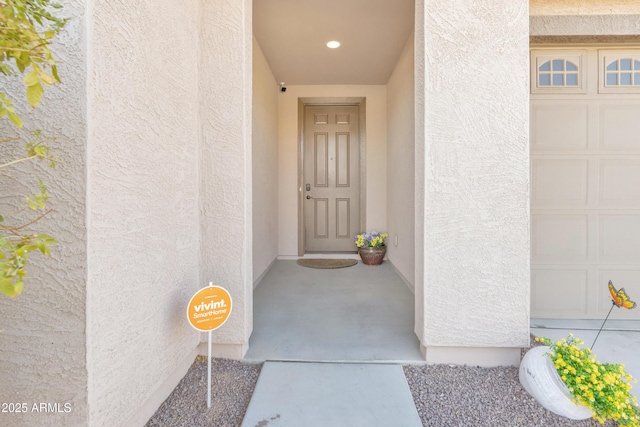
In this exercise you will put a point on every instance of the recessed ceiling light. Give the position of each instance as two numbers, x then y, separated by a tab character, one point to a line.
333	44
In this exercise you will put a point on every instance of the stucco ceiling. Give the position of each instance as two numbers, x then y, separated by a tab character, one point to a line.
293	36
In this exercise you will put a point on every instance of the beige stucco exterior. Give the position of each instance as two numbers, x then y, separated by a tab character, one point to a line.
225	92
472	186
578	7
265	164
142	201
400	165
43	337
140	191
584	21
180	168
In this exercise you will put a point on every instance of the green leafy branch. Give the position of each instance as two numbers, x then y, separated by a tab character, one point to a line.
27	27
23	46
13	258
15	245
35	149
15	242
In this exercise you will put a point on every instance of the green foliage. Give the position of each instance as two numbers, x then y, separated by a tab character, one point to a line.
26	30
13	258
603	387
15	242
6	109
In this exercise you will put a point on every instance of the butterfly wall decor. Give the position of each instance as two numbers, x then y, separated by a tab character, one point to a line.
620	298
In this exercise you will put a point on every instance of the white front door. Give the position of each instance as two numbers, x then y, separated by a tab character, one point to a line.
331	183
585	180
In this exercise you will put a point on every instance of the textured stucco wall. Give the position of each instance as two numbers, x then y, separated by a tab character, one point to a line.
42	336
582	18
419	80
265	163
142	201
476	173
582	7
225	90
400	164
376	152
581	25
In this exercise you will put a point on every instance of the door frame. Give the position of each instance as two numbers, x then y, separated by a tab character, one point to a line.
359	102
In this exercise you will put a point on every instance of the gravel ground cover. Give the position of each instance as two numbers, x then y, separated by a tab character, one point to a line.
444	395
232	385
457	396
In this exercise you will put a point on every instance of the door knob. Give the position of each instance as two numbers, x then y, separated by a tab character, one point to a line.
309	197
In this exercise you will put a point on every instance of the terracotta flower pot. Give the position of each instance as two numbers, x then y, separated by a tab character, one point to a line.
372	256
540	378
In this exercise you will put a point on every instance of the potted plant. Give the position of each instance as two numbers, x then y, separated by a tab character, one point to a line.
371	247
570	381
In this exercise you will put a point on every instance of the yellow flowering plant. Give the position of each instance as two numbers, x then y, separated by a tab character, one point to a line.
371	239
605	388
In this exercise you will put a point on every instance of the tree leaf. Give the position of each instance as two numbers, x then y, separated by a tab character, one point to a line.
15	119
47	79
47	239
21	65
6	287
31	79
18	287
34	94
54	71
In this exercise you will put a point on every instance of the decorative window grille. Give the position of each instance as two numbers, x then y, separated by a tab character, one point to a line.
558	71
619	71
623	72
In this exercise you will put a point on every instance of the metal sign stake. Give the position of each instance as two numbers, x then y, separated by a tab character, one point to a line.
209	309
209	368
209	375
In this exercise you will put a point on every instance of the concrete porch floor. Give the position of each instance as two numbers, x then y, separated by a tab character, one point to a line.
366	314
355	314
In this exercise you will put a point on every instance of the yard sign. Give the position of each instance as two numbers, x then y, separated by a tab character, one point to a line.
208	309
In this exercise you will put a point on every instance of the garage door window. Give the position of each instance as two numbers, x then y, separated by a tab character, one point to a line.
558	73
621	71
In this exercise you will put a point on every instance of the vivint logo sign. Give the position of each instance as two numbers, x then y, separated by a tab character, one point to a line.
209	308
214	307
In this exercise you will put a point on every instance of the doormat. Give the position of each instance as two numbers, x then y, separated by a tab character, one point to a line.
326	263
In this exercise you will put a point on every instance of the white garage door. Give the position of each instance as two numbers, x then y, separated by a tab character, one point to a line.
585	180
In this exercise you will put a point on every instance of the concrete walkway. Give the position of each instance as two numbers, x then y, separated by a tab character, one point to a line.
362	316
331	394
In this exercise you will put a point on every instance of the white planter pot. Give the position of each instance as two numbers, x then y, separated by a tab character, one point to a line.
539	377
